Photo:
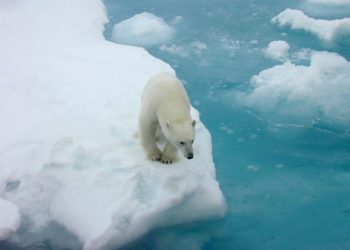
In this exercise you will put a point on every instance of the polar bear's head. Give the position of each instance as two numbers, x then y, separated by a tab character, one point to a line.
181	134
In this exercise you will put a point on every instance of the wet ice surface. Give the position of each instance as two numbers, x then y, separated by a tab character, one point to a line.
281	139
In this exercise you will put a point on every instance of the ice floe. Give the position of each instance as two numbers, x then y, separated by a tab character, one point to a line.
321	89
328	31
277	50
144	29
68	151
330	2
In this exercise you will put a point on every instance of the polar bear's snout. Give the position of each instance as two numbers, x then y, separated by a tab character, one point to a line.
186	149
189	156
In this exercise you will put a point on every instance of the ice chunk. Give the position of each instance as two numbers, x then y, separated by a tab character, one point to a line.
9	219
144	29
68	151
328	31
320	89
277	50
331	2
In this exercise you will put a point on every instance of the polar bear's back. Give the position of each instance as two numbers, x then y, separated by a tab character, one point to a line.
164	88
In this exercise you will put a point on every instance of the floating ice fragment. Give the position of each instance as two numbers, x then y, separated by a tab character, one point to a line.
279	165
277	50
253	168
185	50
331	2
322	88
328	31
226	129
199	45
175	49
144	29
177	20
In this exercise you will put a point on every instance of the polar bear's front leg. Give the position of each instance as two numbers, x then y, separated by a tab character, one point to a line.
169	154
148	141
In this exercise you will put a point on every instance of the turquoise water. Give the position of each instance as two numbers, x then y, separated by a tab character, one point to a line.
286	180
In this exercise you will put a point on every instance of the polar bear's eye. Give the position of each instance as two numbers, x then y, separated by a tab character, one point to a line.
192	141
182	143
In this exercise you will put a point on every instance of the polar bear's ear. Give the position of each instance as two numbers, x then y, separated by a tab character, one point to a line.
194	123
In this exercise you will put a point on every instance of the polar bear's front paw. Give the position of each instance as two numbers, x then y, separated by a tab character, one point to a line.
155	156
168	159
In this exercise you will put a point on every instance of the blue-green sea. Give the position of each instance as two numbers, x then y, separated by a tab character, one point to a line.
286	179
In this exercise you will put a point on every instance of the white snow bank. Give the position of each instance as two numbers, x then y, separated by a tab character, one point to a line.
321	89
9	219
328	31
68	105
330	2
277	50
144	29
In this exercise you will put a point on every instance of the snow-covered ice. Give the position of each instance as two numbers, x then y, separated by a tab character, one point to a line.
320	89
331	2
9	219
144	29
277	50
68	152
328	31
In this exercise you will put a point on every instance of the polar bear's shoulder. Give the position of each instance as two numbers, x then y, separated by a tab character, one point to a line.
164	86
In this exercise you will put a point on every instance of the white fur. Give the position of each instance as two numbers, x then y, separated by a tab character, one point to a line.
166	106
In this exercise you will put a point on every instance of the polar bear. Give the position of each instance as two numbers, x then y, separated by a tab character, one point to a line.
165	107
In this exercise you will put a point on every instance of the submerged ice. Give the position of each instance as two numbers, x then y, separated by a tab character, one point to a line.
68	151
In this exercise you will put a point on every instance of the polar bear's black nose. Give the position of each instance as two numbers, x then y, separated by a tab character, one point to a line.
190	156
